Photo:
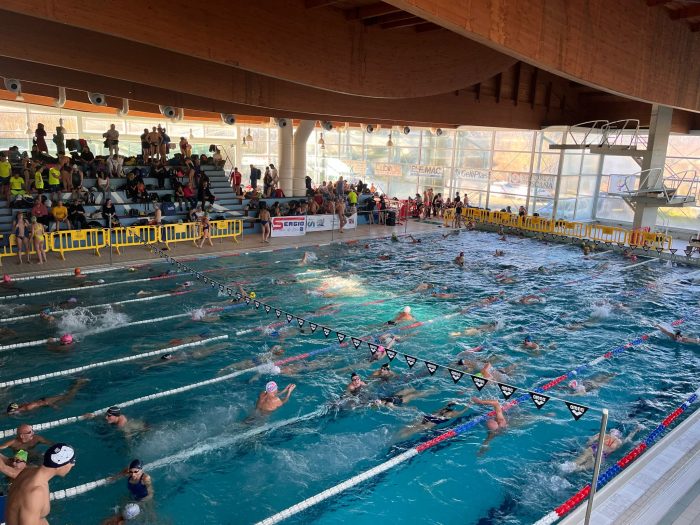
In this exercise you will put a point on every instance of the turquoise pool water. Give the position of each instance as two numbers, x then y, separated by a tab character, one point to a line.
217	475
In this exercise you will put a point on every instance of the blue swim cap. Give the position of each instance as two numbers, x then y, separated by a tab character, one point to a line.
46	311
528	339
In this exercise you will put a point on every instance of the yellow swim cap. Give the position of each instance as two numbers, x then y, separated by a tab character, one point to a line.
252	295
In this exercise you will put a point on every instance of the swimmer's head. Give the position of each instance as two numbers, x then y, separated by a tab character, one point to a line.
528	339
100	281
66	339
114	411
187	284
72	300
366	246
461	254
271	387
6	278
385	366
12	408
616	433
131	510
166	357
46	311
136	465
132	269
407	310
677	334
76	272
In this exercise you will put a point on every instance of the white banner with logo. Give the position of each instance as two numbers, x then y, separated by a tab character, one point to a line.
291	226
321	223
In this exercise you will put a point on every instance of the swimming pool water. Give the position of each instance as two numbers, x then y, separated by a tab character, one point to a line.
222	477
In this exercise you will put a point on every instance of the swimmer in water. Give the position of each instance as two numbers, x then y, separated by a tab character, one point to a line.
15	409
493	298
403	315
11	467
384	257
184	286
265	357
443	295
530	299
459	260
414	240
269	401
307	258
45	315
678	336
612	441
494	424
578	388
422	287
65	342
499	253
428	421
71	302
384	373
399	398
355	384
453	232
476	330
529	344
394	237
25	439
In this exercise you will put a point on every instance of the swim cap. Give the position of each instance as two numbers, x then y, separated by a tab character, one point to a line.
12	407
6	278
166	357
22	455
573	384
381	349
385	366
46	311
76	271
59	455
407	310
72	300
131	510
132	269
100	281
528	338
136	464
66	339
616	433
114	411
251	295
187	283
271	387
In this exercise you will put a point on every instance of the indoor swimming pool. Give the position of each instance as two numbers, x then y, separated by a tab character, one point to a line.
214	460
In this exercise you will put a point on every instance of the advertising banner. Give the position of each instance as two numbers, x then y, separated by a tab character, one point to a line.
425	171
321	223
291	226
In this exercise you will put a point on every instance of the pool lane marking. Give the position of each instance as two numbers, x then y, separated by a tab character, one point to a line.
70	371
71	273
39	342
448	434
214	443
651	259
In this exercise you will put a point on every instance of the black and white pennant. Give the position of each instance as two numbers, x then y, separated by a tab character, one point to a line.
326	331
239	296
576	410
479	382
267	308
221	287
289	318
410	360
373	348
540	400
300	321
432	367
456	375
257	305
278	312
391	354
313	327
247	300
229	292
356	342
341	337
506	390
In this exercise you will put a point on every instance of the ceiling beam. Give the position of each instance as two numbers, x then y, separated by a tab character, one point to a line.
516	82
533	87
408	22
427	26
499	87
313	4
387	19
370	11
688	11
652	3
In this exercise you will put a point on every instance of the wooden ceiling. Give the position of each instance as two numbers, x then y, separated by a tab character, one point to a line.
371	13
686	11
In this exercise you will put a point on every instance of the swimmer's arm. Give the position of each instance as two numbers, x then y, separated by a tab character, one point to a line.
7	470
148	483
664	330
289	388
7	444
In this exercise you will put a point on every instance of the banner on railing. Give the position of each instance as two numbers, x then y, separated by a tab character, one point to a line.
321	223
292	226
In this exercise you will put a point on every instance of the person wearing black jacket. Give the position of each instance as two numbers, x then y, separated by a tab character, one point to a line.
76	214
108	210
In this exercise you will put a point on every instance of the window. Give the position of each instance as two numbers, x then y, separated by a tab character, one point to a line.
514	140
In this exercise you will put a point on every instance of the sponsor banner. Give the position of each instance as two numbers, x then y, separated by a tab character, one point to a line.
418	170
382	169
471	174
288	226
356	167
321	223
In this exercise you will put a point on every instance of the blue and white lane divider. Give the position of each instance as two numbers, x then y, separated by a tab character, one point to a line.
71	371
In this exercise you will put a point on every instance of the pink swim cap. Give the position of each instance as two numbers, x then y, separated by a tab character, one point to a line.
271	387
573	384
66	339
6	278
380	349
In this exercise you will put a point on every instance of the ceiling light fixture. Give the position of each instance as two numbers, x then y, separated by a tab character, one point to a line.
321	141
249	137
244	144
390	143
191	134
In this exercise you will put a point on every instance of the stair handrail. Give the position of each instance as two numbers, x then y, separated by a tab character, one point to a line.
590	126
615	130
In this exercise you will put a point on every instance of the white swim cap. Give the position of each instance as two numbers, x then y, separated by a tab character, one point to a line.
271	387
131	510
407	310
616	433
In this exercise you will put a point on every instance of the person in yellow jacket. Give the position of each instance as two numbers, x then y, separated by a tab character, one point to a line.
54	182
17	184
60	215
5	171
39	181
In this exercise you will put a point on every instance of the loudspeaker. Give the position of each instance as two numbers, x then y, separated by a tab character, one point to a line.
281	122
438	132
229	119
327	125
13	85
406	130
369	128
98	99
169	111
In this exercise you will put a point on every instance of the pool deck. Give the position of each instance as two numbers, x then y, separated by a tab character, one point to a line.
249	243
662	487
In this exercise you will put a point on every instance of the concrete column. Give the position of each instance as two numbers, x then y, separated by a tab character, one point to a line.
301	137
655	157
285	157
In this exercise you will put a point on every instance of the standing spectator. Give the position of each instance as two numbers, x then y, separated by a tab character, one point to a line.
21	231
275	177
309	189
235	180
267	182
60	140
522	211
164	144
217	159
352	197
109	212
76	214
154	140
54	182
112	140
59	213
40	138
5	172
185	148
255	175
340	188
66	178
340	210
38	232
145	146
39	180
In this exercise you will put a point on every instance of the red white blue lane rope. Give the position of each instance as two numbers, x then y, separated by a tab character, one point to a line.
653	437
449	434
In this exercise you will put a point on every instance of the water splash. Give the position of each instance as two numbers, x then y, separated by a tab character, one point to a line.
81	320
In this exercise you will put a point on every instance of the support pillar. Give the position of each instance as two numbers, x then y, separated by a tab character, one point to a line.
301	137
284	157
655	157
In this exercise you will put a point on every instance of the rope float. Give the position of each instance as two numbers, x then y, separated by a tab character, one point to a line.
653	437
73	289
83	368
69	273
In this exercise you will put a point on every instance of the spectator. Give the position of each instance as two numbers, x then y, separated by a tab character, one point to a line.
309	189
14	156
192	215
115	166
185	148
5	173
154	140
54	182
40	211
131	186
17	185
255	175
38	239
164	144
179	195
76	214
522	211
76	178
109	213
60	140
141	193
340	188
312	206
59	213
204	194
275	177
278	194
112	140
145	146
217	159
157	216
235	180
267	182
352	197
39	180
160	173
22	233
103	184
188	192
87	160
40	139
66	178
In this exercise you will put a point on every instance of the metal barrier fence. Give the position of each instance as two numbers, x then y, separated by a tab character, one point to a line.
95	239
577	230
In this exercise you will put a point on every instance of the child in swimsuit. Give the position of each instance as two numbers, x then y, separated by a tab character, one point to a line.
205	231
38	240
20	229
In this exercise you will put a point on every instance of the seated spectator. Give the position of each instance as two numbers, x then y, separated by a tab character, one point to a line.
59	213
275	210
204	194
179	195
312	207
76	214
160	173
278	194
109	212
131	186
193	214
190	197
77	180
40	211
87	160
102	184
115	166
16	185
141	192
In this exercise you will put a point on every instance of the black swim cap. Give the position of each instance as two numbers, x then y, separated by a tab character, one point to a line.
136	464
114	411
12	407
59	455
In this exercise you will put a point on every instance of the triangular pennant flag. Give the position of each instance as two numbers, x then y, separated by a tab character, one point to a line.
506	390
229	292
300	321
391	354
239	296
373	348
247	300
206	280
257	305
455	374
221	287
199	275
479	382
313	327
289	318
673	250
410	360
576	410
326	331
267	308
356	342
278	312
341	337
539	399
432	367
214	283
